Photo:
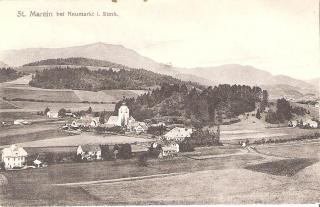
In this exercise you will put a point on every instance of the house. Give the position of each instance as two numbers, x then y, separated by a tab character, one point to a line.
20	122
87	121
169	150
293	123
14	157
310	123
178	134
51	114
89	152
317	105
137	127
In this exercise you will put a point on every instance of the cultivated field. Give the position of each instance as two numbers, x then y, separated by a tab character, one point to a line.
40	106
82	139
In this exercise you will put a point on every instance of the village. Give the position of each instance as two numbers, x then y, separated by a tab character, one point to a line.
15	157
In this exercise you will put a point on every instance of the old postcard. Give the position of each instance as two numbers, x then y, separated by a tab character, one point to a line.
159	102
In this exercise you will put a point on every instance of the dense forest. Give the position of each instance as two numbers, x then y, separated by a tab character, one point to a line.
194	106
8	74
77	61
283	112
85	79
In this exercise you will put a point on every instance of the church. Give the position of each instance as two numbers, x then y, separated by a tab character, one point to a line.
123	117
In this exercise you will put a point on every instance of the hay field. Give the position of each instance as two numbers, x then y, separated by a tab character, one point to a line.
40	106
35	94
82	139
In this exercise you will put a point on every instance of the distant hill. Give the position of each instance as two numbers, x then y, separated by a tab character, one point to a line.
122	56
84	79
99	51
77	61
315	82
248	75
3	65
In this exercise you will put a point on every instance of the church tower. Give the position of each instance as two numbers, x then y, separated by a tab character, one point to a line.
123	115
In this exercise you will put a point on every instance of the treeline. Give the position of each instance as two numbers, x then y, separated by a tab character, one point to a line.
8	74
77	61
196	106
284	112
85	79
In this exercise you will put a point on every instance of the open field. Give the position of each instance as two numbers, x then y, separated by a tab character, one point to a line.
7	105
43	95
13	114
40	106
82	139
265	133
31	135
305	149
222	180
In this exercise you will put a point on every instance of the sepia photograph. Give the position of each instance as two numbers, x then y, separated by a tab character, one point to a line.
159	102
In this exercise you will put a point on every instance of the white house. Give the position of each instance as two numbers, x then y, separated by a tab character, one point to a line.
20	122
178	134
293	123
169	150
310	123
112	121
89	152
317	105
14	157
87	121
51	114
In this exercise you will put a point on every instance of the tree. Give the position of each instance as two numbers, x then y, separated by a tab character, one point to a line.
89	111
102	118
46	111
62	112
283	110
258	115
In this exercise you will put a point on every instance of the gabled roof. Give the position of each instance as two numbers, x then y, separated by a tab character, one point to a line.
179	132
112	120
14	151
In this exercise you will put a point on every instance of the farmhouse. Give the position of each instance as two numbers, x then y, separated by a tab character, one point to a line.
169	150
137	127
293	123
87	121
310	123
89	152
14	157
51	114
178	134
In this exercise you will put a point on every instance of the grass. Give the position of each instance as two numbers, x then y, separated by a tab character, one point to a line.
28	136
84	138
6	105
43	95
287	167
296	149
10	116
56	106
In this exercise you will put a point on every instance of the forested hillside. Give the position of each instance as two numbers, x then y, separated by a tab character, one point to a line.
7	74
197	107
77	61
85	79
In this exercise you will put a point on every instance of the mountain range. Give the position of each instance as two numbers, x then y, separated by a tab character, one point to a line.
228	74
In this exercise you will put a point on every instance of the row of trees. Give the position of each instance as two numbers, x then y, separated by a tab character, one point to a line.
8	74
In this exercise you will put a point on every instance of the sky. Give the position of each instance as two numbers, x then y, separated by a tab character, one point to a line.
279	36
